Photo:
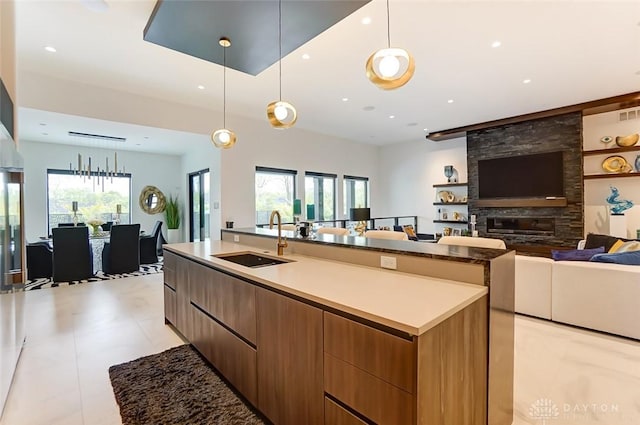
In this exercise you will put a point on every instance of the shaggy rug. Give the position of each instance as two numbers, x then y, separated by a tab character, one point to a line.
43	283
176	386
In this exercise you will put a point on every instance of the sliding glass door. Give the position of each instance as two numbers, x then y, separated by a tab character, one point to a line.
199	206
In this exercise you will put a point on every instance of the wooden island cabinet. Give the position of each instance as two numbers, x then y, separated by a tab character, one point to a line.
299	361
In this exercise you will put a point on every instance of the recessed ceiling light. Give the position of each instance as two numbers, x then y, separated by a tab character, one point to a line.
450	101
45	134
526	81
43	123
306	56
412	124
50	49
201	87
146	137
496	44
392	116
368	108
137	144
426	129
366	20
345	99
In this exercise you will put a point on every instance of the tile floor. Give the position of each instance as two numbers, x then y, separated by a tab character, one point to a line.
563	376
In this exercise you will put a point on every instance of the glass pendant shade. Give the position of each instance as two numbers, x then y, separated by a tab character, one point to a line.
223	138
281	114
390	68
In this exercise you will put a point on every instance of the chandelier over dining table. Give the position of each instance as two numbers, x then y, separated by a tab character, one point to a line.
93	171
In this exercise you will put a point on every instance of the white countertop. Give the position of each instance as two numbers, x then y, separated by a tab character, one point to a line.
402	301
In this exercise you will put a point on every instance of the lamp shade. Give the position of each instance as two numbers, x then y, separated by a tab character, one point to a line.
360	214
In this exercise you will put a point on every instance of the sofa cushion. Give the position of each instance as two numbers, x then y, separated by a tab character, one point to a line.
575	254
594	241
631	258
629	246
616	246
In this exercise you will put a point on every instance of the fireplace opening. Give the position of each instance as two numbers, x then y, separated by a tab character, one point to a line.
522	225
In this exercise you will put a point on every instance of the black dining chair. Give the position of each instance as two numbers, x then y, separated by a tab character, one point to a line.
149	245
71	225
106	227
39	260
122	253
72	255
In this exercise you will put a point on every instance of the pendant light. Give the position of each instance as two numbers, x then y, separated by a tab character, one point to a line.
281	114
390	68
224	138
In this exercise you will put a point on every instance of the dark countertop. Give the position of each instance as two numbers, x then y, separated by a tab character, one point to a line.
418	249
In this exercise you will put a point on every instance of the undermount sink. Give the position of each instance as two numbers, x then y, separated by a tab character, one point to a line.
250	259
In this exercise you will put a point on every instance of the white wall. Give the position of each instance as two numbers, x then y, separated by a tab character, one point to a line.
162	171
260	145
407	173
596	211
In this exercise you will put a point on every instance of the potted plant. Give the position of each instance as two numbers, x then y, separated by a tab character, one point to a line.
172	215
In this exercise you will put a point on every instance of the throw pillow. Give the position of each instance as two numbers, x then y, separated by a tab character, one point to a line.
409	231
575	254
616	246
594	240
631	258
629	246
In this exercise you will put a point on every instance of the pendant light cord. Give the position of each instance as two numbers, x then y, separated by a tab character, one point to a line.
388	27
224	87
280	44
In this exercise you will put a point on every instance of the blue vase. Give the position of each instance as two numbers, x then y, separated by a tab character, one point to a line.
637	163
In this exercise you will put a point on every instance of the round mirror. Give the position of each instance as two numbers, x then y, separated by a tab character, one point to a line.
152	200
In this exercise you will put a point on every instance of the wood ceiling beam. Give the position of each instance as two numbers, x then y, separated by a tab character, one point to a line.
629	100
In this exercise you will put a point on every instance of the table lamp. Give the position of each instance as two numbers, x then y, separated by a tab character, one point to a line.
361	215
74	208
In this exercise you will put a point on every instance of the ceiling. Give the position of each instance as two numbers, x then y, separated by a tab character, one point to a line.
571	51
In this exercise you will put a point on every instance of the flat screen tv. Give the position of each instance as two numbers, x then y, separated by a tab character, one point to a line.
525	176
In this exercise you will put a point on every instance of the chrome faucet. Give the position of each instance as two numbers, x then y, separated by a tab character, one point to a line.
281	245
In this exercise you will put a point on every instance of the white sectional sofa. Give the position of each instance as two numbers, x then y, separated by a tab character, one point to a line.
599	296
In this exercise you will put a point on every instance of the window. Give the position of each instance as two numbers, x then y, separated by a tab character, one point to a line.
356	193
320	191
275	190
97	197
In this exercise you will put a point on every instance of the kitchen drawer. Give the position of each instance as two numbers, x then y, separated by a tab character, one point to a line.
335	414
374	398
169	268
386	356
233	358
230	300
170	312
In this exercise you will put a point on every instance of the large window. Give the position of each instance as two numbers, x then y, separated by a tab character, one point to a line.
320	191
275	190
97	197
356	193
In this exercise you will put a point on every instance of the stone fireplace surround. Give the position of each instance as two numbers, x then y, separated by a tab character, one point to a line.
558	133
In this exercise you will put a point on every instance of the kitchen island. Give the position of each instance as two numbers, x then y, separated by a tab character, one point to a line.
319	341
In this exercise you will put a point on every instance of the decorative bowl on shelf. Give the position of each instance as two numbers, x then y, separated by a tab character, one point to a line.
625	141
616	164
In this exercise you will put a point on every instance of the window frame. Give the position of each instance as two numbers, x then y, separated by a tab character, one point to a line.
349	178
74	173
279	171
319	208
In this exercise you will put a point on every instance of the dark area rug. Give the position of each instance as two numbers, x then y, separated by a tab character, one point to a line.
175	387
